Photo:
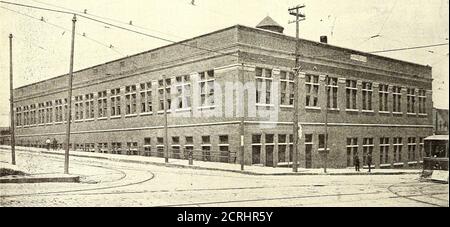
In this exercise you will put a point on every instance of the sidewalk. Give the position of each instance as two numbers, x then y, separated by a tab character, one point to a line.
22	175
218	166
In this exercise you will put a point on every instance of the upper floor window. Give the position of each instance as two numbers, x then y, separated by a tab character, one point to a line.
49	111
130	99
367	96
383	93
410	100
264	86
79	107
59	110
102	100
89	105
287	88
422	101
183	92
312	90
351	91
115	102
146	97
206	88
164	92
41	113
396	99
332	89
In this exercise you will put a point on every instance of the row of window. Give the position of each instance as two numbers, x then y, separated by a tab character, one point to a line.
84	104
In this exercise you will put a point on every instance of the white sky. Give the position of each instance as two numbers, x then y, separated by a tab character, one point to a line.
41	51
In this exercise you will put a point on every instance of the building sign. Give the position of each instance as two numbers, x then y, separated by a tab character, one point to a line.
357	57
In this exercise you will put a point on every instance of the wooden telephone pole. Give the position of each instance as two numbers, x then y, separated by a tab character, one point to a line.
295	11
11	95
69	98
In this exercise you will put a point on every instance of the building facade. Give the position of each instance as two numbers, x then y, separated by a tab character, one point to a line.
374	105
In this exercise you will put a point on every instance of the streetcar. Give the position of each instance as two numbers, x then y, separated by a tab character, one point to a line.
435	161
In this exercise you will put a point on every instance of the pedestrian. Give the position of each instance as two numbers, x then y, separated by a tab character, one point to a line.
356	162
55	144
47	142
369	160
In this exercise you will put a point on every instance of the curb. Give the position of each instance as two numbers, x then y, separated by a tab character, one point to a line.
233	171
68	179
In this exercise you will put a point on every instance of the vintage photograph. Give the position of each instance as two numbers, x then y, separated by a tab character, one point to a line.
224	103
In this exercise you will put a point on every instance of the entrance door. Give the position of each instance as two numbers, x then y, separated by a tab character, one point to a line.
256	154
269	155
308	156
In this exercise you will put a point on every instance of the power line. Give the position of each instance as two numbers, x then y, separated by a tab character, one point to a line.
65	29
408	48
107	18
36	7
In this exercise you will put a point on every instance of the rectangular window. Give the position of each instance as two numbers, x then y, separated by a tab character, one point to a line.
384	150
287	88
282	147
89	104
322	142
308	150
396	99
147	146
176	147
398	145
256	148
332	90
132	148
351	91
352	150
33	118
412	148
224	149
422	101
312	90
146	97
41	113
116	148
367	96
264	86
164	92
410	100
206	84
188	146
206	148
367	149
383	94
79	107
19	116
130	99
115	102
183	92
49	112
102	104
160	147
59	110
421	152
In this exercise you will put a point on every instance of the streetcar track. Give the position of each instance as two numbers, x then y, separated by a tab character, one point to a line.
409	197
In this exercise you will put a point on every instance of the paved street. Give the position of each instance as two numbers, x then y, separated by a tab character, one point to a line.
110	183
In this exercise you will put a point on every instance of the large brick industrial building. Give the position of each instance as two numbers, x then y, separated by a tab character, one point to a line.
375	104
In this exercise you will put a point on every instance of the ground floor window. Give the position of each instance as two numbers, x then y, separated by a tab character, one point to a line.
224	150
116	148
256	149
160	147
384	150
282	146
412	148
352	150
132	148
308	150
398	145
102	147
206	148
367	150
147	146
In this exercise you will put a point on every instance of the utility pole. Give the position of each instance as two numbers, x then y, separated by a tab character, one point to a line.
242	127
295	11
166	133
69	98
327	91
11	101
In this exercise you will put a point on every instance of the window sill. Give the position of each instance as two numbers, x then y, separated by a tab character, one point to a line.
90	119
287	106
102	118
384	112
397	113
333	109
162	111
368	111
312	108
264	105
183	110
385	165
58	123
130	115
206	107
146	114
398	164
49	124
352	110
40	124
423	115
78	121
411	114
115	117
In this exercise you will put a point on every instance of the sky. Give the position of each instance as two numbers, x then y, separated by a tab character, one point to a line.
42	48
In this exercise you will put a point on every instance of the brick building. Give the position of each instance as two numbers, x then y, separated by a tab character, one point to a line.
375	104
440	121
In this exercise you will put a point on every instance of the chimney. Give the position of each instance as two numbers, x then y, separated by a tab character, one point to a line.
323	39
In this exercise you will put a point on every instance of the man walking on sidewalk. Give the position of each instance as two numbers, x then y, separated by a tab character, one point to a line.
356	162
369	160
